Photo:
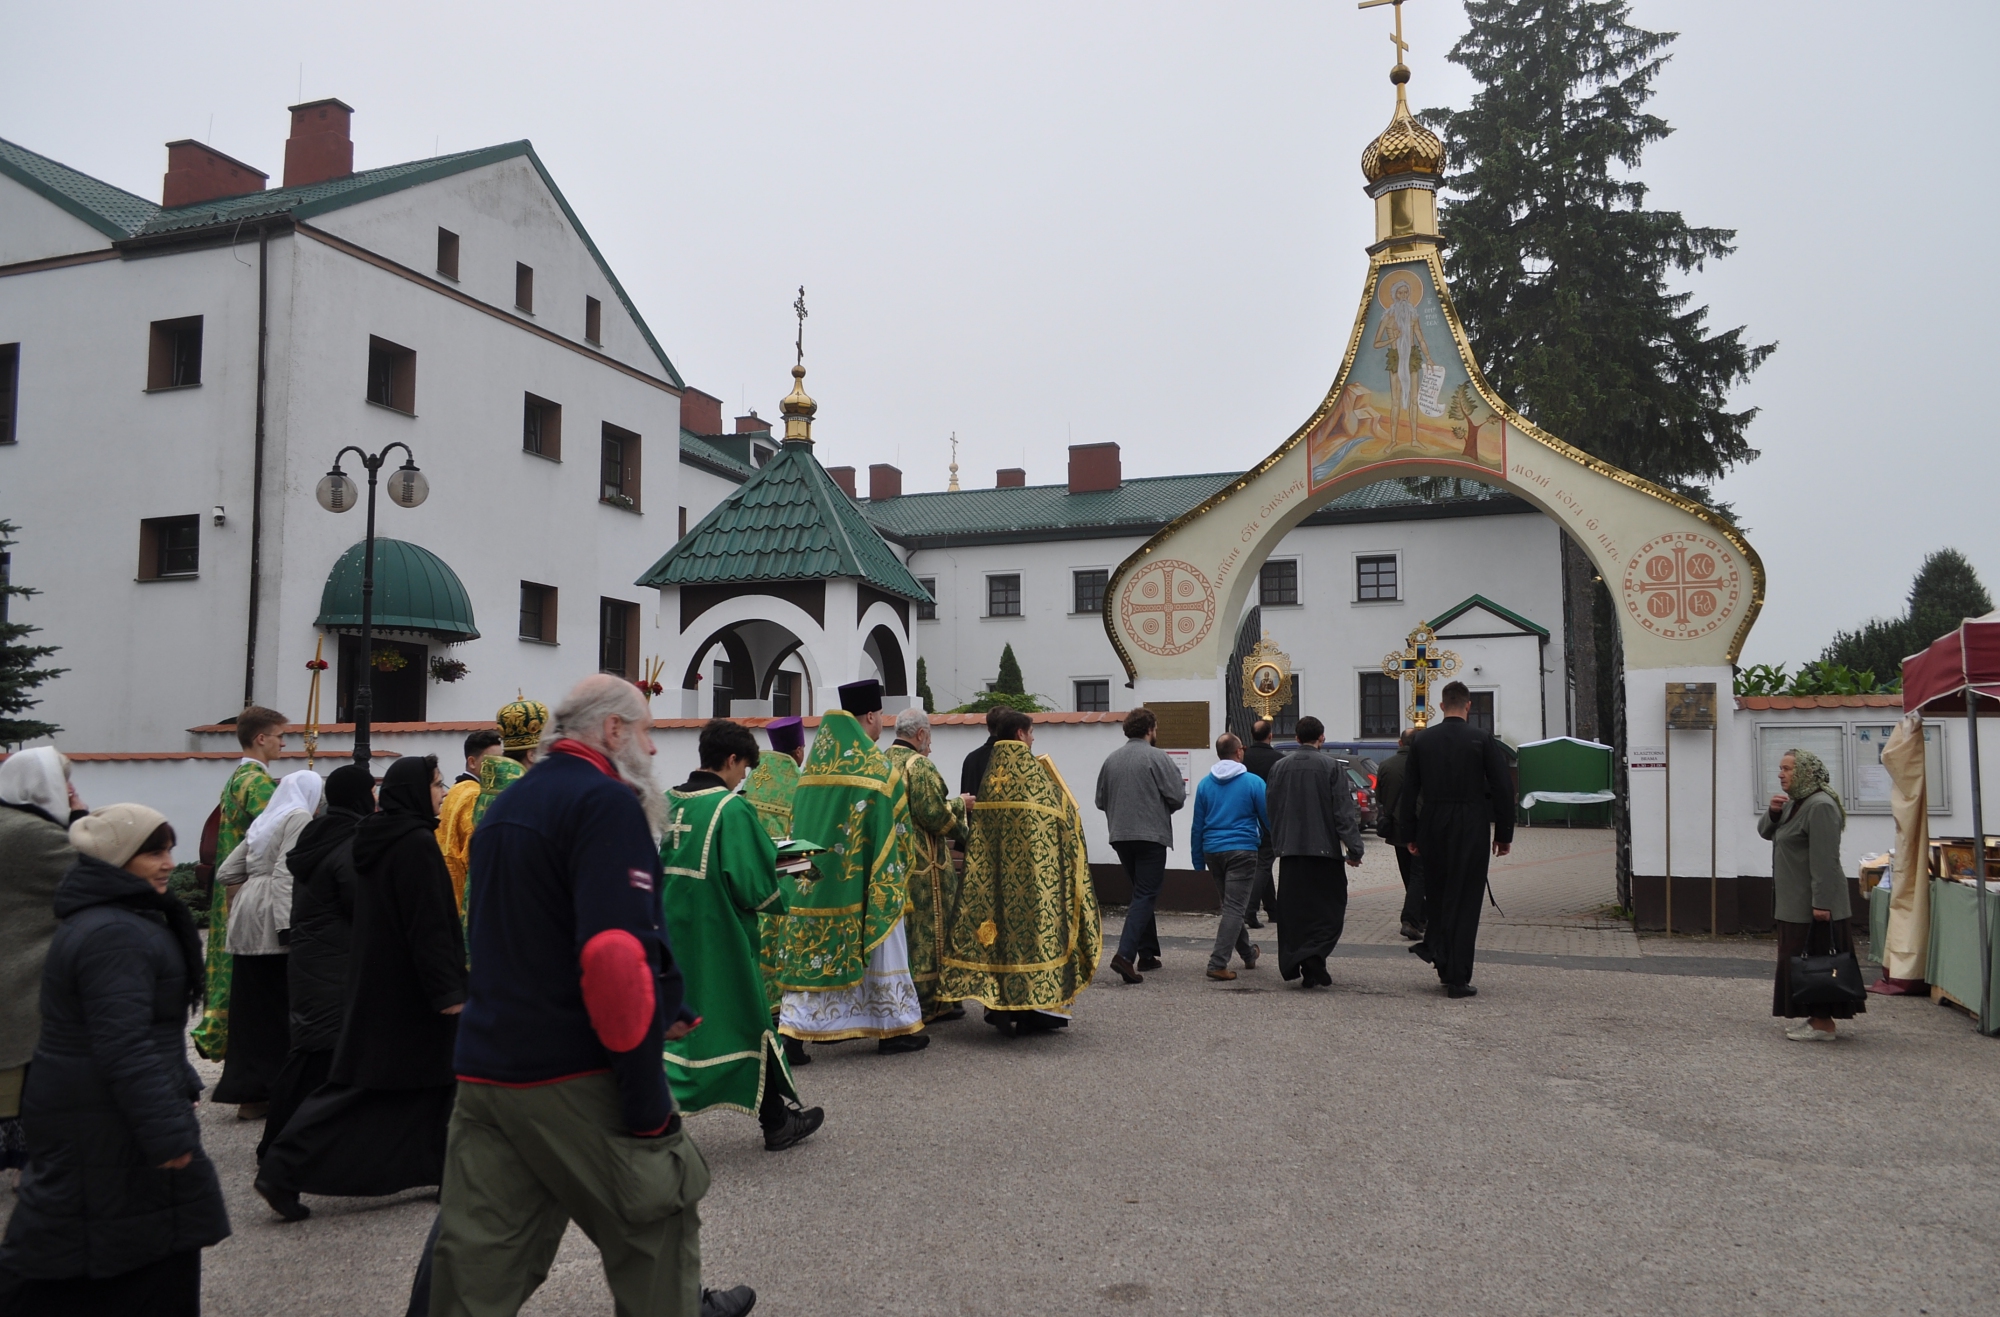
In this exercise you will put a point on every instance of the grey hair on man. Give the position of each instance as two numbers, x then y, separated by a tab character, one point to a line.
609	715
912	722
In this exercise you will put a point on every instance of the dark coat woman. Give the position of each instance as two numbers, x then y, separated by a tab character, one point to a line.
322	927
1811	906
118	1199
378	1125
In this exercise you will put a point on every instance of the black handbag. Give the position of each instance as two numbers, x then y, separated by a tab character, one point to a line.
1829	980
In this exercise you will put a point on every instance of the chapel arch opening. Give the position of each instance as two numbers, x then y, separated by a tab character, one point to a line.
757	661
886	653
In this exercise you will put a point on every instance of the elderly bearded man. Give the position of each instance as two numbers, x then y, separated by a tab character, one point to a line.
845	962
937	818
563	1109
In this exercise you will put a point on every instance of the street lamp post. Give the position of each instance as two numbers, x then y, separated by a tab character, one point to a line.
407	488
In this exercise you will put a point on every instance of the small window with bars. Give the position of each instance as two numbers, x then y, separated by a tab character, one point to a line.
1278	583
927	610
169	547
618	638
174	358
538	612
1089	590
1375	578
1381	716
1003	596
541	427
1093	696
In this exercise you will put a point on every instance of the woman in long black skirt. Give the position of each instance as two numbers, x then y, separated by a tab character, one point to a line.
1811	908
377	1126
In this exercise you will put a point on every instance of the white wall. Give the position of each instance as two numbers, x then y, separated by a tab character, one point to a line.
33	228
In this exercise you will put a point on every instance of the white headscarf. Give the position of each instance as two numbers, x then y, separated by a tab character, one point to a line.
296	791
35	777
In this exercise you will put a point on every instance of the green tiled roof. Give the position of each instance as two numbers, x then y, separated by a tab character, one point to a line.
789	522
112	211
1137	507
697	451
124	217
1460	609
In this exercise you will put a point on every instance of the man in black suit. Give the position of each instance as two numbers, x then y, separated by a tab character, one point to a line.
1459	773
1260	757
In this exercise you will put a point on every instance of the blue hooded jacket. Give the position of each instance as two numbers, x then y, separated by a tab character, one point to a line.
1229	812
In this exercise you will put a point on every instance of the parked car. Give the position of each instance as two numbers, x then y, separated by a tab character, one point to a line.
1362	782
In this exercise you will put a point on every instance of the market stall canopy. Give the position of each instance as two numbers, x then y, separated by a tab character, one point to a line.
416	592
1562	772
1967	658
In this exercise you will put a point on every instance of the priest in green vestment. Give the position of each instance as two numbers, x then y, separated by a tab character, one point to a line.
1026	934
937	818
844	964
721	872
261	734
772	784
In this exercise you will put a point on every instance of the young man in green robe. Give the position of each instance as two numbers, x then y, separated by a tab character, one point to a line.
937	818
772	784
1026	933
261	733
721	871
844	964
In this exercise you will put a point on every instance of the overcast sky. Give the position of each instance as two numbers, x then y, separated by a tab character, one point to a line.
1039	223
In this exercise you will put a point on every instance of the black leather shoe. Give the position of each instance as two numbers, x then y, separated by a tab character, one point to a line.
1456	990
909	1042
798	1126
284	1203
1148	964
1253	922
728	1303
796	1054
1413	933
955	1013
1125	970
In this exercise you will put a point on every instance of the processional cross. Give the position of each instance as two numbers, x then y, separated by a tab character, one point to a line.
1419	664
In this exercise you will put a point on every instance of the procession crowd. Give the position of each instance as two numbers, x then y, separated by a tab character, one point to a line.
514	986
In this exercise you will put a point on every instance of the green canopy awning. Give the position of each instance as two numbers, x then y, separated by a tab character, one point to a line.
415	591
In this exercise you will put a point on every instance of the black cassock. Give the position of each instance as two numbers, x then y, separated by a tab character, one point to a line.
1460	775
377	1126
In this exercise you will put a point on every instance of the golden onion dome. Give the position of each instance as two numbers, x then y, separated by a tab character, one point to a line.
797	402
1405	146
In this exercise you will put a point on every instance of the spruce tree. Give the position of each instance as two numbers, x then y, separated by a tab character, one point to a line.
1009	680
1945	592
924	687
18	673
1561	272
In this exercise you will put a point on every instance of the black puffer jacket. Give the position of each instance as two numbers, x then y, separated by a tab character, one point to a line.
322	933
110	1093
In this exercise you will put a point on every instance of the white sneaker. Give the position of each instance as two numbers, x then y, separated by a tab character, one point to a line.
1805	1033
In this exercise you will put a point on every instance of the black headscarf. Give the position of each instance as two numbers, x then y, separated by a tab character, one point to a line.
405	801
350	796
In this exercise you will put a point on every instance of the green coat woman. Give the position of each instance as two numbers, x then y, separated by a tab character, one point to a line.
1810	906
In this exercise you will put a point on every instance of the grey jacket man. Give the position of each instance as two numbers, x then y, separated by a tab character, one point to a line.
1311	806
1138	788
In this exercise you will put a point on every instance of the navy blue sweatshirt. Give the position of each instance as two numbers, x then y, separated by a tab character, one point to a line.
563	861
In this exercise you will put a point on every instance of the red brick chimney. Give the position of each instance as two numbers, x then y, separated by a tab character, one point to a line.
1011	477
884	481
198	172
701	413
844	477
752	424
1094	468
320	147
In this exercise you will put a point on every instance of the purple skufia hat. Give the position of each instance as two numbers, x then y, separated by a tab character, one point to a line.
787	734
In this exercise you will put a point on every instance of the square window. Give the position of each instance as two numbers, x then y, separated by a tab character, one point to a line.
174	361
1381	714
168	547
538	612
448	253
1089	590
1278	583
927	612
1093	696
593	320
1481	713
392	375
541	427
619	463
618	638
1375	578
1003	596
10	374
524	288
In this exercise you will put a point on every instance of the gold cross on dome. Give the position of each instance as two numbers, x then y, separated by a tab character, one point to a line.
679	827
1402	46
1419	664
800	307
